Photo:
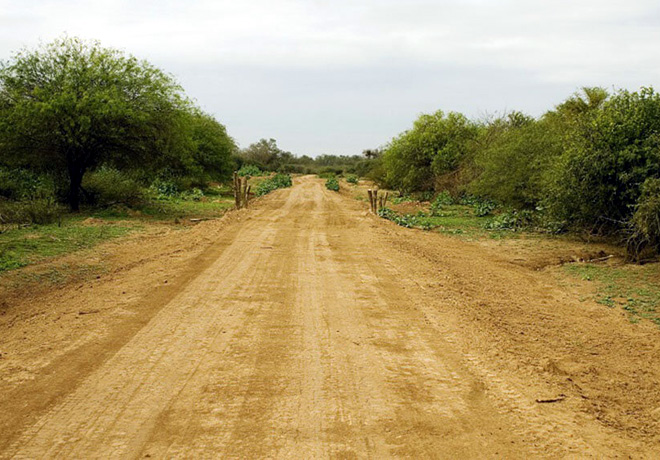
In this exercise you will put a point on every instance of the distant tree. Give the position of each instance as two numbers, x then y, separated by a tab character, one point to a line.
265	154
370	154
71	106
433	147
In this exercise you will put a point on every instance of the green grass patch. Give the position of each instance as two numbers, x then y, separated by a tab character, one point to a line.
456	220
22	246
635	288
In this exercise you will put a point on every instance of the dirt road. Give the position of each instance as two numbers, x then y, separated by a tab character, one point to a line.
311	330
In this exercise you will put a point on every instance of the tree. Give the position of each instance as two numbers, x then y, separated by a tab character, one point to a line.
434	147
212	148
265	154
72	106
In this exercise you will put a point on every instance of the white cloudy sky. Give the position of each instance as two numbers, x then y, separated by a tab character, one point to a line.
339	76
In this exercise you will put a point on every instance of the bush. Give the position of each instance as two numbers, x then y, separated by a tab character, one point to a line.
195	194
442	199
40	211
21	184
406	220
352	179
332	184
273	183
513	220
250	170
107	186
645	223
163	188
483	208
597	182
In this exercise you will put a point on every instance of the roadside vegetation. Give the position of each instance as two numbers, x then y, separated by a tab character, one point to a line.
589	166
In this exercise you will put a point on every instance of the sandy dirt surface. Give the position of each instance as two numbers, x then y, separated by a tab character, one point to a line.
306	328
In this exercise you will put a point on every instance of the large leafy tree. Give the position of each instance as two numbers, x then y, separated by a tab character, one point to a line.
71	106
433	147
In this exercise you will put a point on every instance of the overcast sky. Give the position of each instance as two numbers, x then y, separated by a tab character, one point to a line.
340	76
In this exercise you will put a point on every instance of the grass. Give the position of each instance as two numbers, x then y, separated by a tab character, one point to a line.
461	221
634	288
23	246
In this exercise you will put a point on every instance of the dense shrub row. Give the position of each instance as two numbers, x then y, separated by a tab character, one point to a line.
592	163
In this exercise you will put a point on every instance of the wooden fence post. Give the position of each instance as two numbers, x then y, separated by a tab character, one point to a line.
237	190
371	200
244	191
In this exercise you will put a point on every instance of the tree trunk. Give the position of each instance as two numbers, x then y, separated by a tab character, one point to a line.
75	181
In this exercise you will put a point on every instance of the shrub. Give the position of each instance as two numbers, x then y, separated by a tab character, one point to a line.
483	208
250	170
195	194
442	199
163	188
513	220
273	183
21	184
406	220
332	184
352	179
40	211
644	226
108	186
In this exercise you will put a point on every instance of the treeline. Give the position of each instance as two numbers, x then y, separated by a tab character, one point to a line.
81	124
267	156
590	164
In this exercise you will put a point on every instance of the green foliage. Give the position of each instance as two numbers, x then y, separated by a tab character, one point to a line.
273	183
109	186
645	222
352	179
22	246
265	154
483	208
598	179
444	198
163	188
406	220
435	146
512	163
332	184
23	184
250	171
512	220
36	211
71	106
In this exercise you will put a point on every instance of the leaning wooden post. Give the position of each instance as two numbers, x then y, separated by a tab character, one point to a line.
371	200
376	201
247	195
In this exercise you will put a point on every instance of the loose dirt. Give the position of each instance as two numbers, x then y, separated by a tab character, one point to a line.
306	328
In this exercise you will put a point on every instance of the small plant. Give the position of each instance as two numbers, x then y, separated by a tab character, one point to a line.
443	199
273	183
352	179
250	170
406	220
332	184
483	208
513	220
192	195
164	188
